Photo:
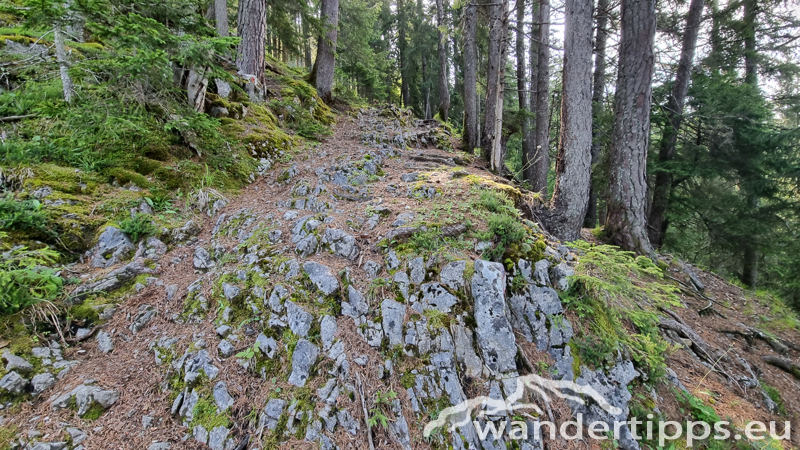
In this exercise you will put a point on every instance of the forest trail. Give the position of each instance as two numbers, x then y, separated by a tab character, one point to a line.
390	303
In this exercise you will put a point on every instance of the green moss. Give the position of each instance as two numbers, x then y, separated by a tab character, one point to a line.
94	412
408	380
205	414
775	395
125	176
7	434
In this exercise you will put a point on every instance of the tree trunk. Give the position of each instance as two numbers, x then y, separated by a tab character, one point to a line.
401	48
252	30
749	34
326	50
493	115
444	88
63	64
527	148
541	143
573	167
307	44
598	88
470	78
427	112
221	17
529	153
626	223
656	225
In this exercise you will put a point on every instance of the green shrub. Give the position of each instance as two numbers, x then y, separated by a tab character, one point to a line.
23	216
140	226
24	279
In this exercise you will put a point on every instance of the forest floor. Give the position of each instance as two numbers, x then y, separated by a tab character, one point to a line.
735	326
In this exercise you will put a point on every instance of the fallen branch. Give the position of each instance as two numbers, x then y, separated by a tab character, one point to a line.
13	118
84	337
783	364
750	333
366	413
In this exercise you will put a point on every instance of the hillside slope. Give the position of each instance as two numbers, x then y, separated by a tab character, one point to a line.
348	297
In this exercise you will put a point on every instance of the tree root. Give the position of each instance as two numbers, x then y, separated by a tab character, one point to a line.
750	334
783	364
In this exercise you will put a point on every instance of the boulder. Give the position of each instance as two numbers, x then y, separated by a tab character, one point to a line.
112	247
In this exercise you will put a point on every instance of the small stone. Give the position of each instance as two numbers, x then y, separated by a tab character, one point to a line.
559	275
299	319
223	331
202	260
417	266
221	397
372	269
304	356
159	446
267	345
81	334
171	290
226	349
147	421
14	362
392	261
272	413
230	291
42	382
322	277
328	328
452	275
393	318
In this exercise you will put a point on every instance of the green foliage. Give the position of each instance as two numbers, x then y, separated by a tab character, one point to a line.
699	410
24	279
250	352
378	414
775	396
138	227
613	292
24	216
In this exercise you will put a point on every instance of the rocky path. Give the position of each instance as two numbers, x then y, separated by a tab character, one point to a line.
298	311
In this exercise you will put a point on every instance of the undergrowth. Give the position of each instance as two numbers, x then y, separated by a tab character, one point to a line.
617	296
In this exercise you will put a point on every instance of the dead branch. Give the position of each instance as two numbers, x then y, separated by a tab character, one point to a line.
366	413
783	364
13	118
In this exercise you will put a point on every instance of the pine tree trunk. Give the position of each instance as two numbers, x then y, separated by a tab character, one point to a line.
221	17
750	256
529	156
626	223
252	30
522	87
326	50
541	143
573	167
599	83
656	223
63	64
444	88
470	78
401	48
493	115
427	112
307	44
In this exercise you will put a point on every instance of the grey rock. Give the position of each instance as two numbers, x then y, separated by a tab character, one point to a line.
86	396
159	446
221	397
14	383
200	434
313	431
202	260
341	243
372	269
401	281
112	281
217	437
356	305
465	353
393	314
417	266
153	248
272	413
171	290
321	276
409	177
276	298
145	315
392	261
104	342
291	268
197	364
452	275
40	352
176	404
398	430
328	328
223	331
187	407
495	337
189	229
147	422
14	362
299	319
540	274
77	435
307	246
435	296
546	300
403	219
304	356
226	349
230	291
559	274
267	345
347	421
112	247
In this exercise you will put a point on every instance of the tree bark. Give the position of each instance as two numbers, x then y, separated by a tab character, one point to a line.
470	78
405	93
493	115
598	88
252	30
326	50
527	148
307	44
427	112
444	88
221	17
541	143
63	64
573	167
749	34
656	224
626	223
529	156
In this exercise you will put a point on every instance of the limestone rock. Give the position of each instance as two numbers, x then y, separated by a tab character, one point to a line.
112	247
